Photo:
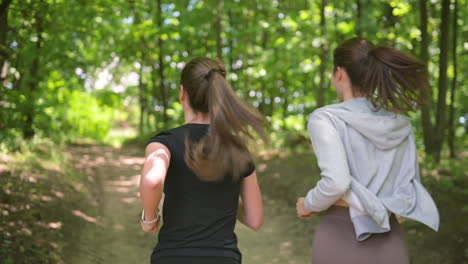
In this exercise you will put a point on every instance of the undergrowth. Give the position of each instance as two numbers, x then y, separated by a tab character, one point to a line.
39	193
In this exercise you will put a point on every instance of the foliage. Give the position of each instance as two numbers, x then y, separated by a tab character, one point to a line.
80	68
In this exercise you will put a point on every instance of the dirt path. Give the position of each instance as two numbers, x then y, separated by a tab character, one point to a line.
111	232
112	235
51	213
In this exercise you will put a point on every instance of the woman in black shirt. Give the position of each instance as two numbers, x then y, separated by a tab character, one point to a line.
203	167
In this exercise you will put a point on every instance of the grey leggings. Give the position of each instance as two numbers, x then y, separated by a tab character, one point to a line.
193	260
335	242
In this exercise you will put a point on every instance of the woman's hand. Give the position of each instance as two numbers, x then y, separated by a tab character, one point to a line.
150	226
302	213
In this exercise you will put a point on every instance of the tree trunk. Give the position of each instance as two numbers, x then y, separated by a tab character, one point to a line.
162	87
423	28
17	83
4	5
219	29
390	18
272	93
231	41
443	79
358	18
451	133
156	95
183	18
248	52
141	84
263	82
428	129
285	101
33	80
3	40
323	57
142	101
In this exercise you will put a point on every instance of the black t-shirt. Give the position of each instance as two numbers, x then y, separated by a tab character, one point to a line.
199	216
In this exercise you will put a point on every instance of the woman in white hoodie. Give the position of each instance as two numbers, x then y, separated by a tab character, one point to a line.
366	152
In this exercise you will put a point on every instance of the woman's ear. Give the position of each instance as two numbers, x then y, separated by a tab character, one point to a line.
182	94
340	73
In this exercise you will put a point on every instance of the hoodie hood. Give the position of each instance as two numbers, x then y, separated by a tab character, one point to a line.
385	129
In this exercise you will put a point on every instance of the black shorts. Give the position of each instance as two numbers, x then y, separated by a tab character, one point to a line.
193	260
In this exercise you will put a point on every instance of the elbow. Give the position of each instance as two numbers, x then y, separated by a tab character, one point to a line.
257	225
253	223
151	183
343	186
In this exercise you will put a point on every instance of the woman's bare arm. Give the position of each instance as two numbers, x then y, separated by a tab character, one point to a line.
250	211
152	179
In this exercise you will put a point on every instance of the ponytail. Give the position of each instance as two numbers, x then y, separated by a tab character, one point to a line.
391	79
396	80
223	151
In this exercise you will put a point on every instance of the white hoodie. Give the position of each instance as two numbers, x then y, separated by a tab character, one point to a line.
368	158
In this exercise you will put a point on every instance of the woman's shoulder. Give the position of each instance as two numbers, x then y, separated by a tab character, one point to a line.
180	131
167	132
325	113
355	108
166	135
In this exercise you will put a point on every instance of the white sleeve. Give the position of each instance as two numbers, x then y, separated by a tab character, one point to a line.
331	157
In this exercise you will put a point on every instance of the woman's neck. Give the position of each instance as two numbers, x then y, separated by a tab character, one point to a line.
349	95
196	118
347	98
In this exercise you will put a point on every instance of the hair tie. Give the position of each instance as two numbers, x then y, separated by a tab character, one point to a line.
211	71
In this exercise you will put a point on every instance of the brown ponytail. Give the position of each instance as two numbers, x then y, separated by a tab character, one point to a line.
223	152
391	79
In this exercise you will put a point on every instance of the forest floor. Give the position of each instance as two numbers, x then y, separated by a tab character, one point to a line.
96	221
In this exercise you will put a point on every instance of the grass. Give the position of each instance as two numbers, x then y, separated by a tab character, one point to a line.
38	193
448	184
284	238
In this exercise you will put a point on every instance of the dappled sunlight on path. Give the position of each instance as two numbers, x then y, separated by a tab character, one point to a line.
92	216
112	233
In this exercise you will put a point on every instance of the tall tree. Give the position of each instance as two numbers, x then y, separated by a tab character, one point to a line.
141	100
160	68
4	5
434	134
141	57
443	79
230	41
34	70
323	56
451	124
358	18
251	12
428	130
219	29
